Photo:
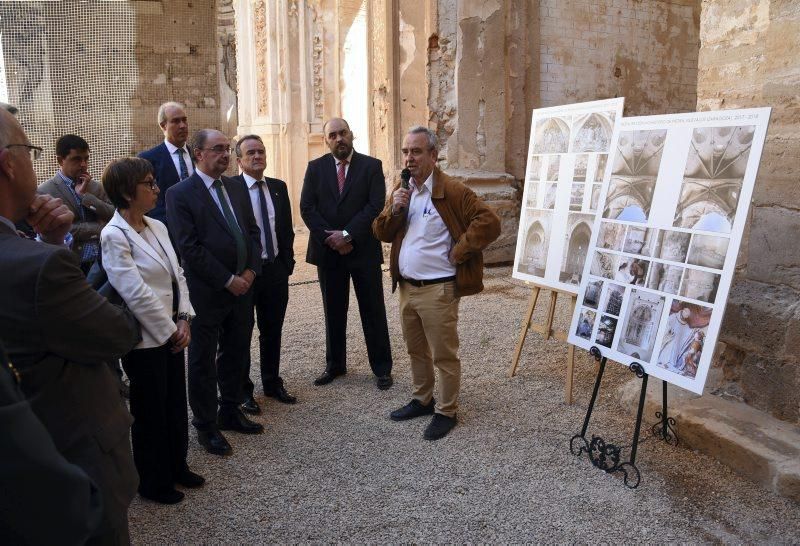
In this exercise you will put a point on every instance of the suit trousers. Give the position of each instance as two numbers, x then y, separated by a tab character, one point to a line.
159	434
270	299
429	318
227	329
368	284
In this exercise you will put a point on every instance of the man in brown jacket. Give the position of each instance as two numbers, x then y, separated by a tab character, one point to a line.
438	229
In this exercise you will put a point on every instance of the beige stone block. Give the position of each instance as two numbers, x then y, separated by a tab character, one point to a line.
774	255
751	442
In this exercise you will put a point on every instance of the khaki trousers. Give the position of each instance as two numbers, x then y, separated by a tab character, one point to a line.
429	317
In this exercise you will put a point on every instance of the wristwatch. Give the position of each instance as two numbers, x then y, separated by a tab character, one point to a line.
347	237
185	316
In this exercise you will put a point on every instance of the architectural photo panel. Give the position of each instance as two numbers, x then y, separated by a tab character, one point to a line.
663	252
567	161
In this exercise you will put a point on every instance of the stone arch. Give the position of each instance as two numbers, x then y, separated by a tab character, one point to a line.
535	256
639	326
592	133
577	247
552	136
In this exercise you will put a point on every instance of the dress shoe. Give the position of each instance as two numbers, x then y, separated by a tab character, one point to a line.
187	478
439	426
164	496
327	377
251	406
279	393
384	381
214	442
235	420
412	409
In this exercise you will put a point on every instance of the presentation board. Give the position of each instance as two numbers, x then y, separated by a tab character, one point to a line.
664	248
567	162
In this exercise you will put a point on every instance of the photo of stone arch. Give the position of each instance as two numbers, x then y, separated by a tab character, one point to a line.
713	177
592	132
634	174
640	327
537	234
611	236
672	245
700	285
535	168
639	240
579	235
551	136
602	160
553	165
684	338
665	278
581	165
708	251
531	193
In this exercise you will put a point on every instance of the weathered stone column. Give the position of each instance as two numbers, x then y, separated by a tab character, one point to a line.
480	99
749	58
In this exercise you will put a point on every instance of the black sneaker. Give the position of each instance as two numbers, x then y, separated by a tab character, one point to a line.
411	410
440	426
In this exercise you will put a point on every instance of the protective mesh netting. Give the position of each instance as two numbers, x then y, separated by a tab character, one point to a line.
70	67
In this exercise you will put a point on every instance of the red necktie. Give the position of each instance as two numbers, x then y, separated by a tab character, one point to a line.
340	175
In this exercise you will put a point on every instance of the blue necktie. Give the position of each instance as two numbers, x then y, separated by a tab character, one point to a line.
182	163
265	217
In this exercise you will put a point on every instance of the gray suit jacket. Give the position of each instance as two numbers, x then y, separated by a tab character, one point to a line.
36	479
94	200
60	334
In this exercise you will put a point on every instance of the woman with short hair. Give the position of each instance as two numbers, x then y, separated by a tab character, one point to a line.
142	267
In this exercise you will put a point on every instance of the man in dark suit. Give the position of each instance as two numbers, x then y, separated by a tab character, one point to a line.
60	334
171	160
343	192
85	198
269	199
212	223
35	478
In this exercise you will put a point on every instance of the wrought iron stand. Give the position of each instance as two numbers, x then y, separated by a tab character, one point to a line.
606	456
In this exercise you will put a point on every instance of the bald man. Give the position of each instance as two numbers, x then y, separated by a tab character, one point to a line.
60	334
343	192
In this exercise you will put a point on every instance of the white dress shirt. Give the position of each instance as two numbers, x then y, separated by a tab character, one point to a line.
252	186
427	243
186	158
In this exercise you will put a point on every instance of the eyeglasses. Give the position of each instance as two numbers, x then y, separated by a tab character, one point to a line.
35	151
150	184
219	149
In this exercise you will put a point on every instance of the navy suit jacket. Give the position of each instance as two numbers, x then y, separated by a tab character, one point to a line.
283	218
205	242
166	176
322	208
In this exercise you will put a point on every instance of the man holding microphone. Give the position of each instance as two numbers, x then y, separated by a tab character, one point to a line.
438	228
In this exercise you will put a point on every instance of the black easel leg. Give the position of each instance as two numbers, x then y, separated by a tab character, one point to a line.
664	429
584	447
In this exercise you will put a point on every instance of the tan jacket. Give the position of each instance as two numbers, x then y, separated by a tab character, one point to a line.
471	223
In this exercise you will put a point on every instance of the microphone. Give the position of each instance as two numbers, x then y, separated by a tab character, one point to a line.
405	176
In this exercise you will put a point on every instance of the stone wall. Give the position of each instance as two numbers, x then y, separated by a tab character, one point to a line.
178	59
643	50
748	58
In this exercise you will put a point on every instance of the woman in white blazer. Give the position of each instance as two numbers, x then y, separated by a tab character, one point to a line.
142	267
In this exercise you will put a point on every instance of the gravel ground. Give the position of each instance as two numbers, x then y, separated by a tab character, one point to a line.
335	468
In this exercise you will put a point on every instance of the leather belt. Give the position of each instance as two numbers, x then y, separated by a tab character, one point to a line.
426	282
